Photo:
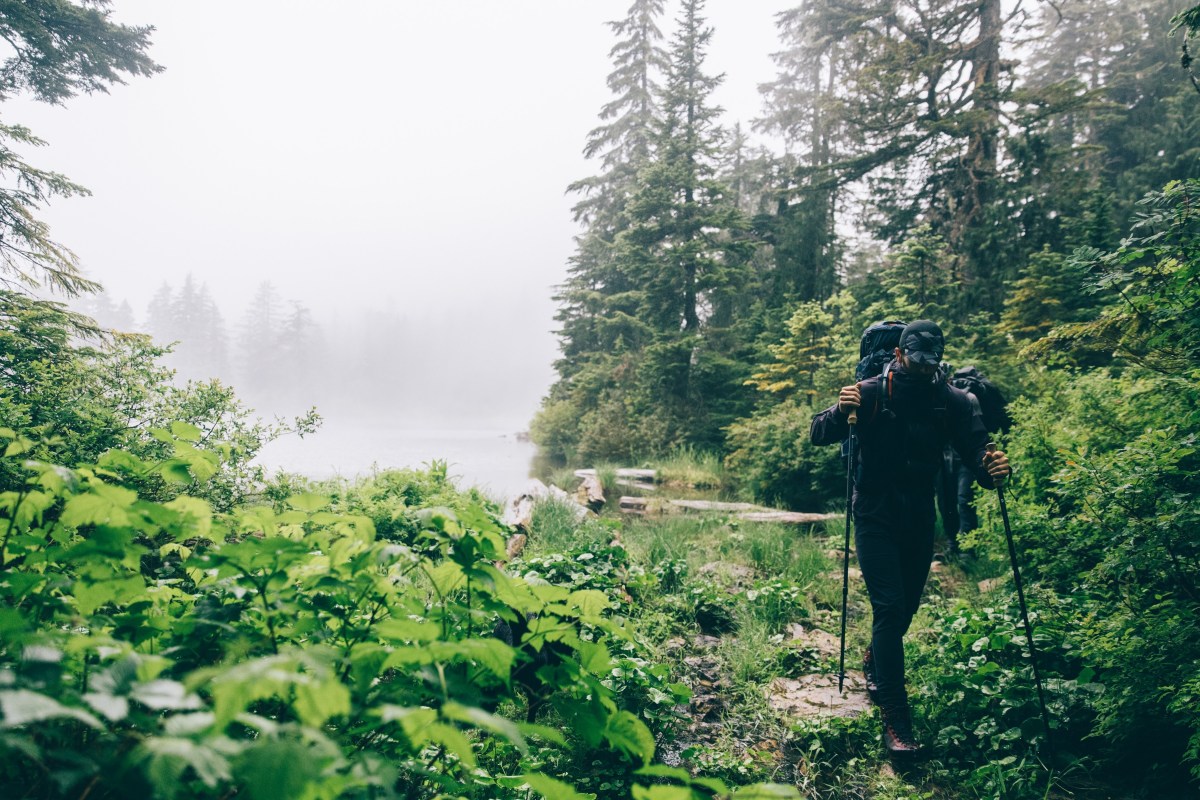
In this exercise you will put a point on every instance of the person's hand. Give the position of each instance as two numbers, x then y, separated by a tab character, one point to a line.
849	399
996	464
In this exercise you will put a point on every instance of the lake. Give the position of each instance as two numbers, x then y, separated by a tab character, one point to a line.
497	461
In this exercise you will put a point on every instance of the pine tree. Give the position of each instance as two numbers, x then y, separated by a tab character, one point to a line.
682	242
55	50
258	337
798	108
595	302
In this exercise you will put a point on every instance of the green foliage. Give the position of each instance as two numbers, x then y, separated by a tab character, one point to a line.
56	49
76	401
1152	318
282	637
772	455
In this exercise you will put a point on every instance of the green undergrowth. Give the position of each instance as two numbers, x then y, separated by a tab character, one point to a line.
730	607
346	640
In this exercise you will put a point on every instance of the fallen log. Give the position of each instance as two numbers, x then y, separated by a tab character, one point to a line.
519	511
590	493
747	512
787	517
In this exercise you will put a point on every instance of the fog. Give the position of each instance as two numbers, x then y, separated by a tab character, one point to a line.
396	170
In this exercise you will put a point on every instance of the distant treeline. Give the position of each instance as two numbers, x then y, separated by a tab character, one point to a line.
275	353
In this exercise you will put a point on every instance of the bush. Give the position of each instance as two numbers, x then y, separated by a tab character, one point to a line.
772	456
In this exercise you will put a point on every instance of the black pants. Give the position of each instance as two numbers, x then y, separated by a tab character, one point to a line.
955	498
894	539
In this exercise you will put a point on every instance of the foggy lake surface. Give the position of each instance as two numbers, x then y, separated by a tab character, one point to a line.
495	460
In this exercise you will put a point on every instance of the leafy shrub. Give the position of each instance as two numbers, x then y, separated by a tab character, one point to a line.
771	455
288	653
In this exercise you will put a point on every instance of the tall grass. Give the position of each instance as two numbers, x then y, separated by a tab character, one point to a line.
692	468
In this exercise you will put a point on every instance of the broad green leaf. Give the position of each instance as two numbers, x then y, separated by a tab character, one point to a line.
594	657
196	518
186	431
316	702
308	502
407	630
590	602
447	577
552	789
414	722
714	785
488	722
175	471
95	509
189	724
453	740
21	707
279	769
544	732
18	446
492	654
111	707
628	734
167	758
91	595
165	695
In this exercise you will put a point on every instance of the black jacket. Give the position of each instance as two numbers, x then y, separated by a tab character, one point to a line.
902	433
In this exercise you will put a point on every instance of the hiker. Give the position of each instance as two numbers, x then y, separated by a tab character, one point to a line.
956	483
905	417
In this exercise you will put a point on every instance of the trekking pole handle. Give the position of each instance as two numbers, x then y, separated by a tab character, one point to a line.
852	417
991	448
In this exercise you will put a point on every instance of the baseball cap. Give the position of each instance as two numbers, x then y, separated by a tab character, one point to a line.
922	341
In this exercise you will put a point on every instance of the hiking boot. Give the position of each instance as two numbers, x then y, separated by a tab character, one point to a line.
869	676
897	730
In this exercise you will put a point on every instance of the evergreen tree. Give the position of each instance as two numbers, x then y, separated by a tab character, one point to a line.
160	321
258	337
595	306
55	50
798	108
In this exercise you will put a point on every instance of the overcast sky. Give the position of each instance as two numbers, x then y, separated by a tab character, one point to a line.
402	154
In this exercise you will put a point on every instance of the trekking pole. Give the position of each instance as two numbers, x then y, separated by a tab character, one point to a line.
853	420
1012	556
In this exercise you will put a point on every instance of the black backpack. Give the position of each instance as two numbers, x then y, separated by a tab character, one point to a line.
877	348
992	404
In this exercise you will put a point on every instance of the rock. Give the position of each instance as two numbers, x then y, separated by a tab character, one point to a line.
705	642
730	572
675	645
836	575
817	696
988	584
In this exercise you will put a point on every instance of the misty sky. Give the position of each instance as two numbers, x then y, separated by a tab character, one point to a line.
408	155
